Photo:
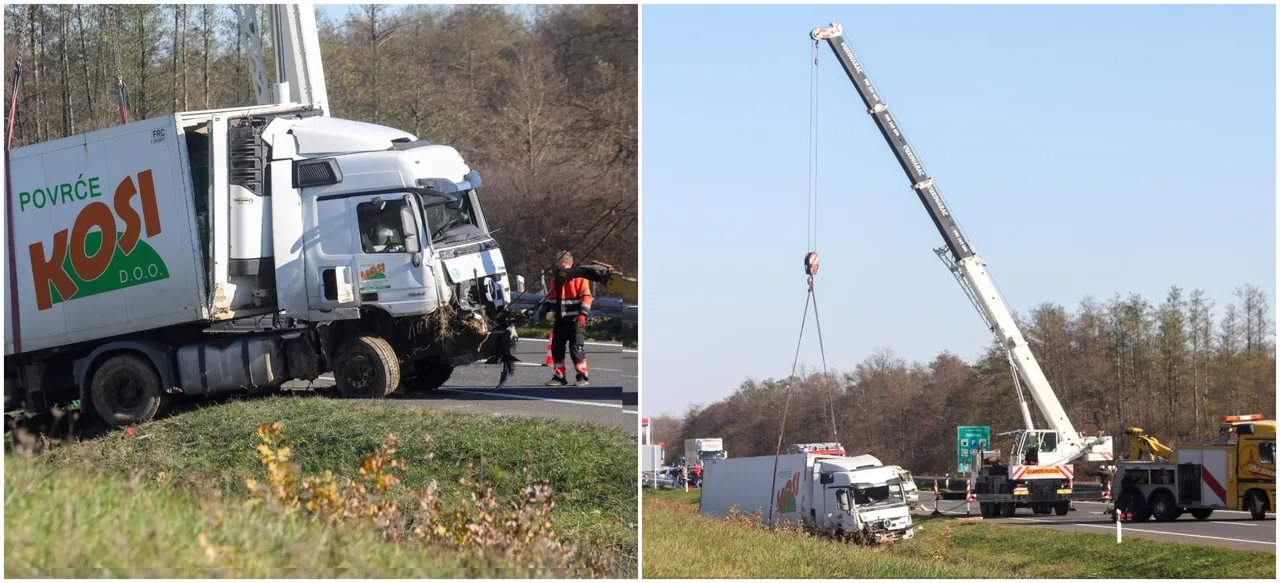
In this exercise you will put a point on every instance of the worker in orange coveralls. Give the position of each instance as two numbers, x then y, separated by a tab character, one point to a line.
570	302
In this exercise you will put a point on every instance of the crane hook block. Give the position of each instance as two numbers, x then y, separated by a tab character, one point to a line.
811	263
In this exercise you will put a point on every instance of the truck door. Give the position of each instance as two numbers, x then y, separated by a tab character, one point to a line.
813	497
362	253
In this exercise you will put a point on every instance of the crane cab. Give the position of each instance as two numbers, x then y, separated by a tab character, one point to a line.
1034	447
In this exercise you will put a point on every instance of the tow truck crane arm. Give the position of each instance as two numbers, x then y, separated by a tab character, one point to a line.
1145	447
968	268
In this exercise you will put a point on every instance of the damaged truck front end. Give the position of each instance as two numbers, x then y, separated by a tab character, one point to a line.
405	255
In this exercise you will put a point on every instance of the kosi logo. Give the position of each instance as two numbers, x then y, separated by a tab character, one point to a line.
786	497
95	257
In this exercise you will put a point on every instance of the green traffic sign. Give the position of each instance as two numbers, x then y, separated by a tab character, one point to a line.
970	440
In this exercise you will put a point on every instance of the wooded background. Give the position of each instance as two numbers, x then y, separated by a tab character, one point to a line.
541	100
1173	369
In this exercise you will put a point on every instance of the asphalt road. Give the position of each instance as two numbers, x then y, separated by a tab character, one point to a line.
1228	529
610	400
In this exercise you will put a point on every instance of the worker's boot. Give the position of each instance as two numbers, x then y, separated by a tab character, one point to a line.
582	381
557	382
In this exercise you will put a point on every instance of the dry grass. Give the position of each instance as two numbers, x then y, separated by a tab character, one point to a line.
339	497
680	543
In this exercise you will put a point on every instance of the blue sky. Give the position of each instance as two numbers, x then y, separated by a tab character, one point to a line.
1085	150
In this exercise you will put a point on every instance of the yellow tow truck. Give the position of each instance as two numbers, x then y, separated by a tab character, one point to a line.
1236	471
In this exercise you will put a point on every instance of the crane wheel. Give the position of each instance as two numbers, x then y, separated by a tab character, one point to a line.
1164	508
1061	508
1131	503
1257	505
1008	509
1201	513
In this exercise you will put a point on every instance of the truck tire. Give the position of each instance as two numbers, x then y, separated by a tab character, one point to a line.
366	368
430	377
1257	505
1008	509
1062	508
1201	513
1164	508
126	390
1133	504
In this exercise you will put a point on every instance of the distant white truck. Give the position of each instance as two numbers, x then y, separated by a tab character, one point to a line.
700	451
854	497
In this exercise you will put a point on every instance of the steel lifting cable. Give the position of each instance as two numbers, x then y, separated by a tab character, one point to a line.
786	403
810	269
814	83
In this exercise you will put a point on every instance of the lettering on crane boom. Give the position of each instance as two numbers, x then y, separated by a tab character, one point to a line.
95	256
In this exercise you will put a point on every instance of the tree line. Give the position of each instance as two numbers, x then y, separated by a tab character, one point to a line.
541	100
1172	368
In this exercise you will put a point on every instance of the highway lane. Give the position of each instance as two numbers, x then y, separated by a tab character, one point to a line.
1227	529
611	399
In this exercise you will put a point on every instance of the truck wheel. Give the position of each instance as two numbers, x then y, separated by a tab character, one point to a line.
985	509
1061	508
1008	509
1257	505
126	390
1201	513
1163	507
431	376
1132	503
366	368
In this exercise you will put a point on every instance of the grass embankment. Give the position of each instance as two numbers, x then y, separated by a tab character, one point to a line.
136	506
678	542
610	330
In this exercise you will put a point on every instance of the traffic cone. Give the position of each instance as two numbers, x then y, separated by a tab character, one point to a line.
1071	485
936	496
548	362
1106	494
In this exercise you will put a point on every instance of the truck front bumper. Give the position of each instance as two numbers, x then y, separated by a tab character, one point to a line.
884	536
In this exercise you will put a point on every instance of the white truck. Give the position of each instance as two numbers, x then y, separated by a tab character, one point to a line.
219	250
850	497
703	450
229	249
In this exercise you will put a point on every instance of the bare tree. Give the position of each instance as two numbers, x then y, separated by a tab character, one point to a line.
206	31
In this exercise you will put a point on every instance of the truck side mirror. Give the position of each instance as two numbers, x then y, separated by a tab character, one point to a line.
409	226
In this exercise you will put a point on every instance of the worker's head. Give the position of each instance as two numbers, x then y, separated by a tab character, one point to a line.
381	234
564	260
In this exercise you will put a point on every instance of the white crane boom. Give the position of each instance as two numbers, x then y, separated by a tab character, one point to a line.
299	69
1066	444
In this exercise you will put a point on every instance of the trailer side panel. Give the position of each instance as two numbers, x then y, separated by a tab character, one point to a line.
104	239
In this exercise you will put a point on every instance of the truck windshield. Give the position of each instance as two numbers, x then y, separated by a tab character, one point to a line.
451	225
882	494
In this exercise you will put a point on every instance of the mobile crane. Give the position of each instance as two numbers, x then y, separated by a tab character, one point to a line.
1039	473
